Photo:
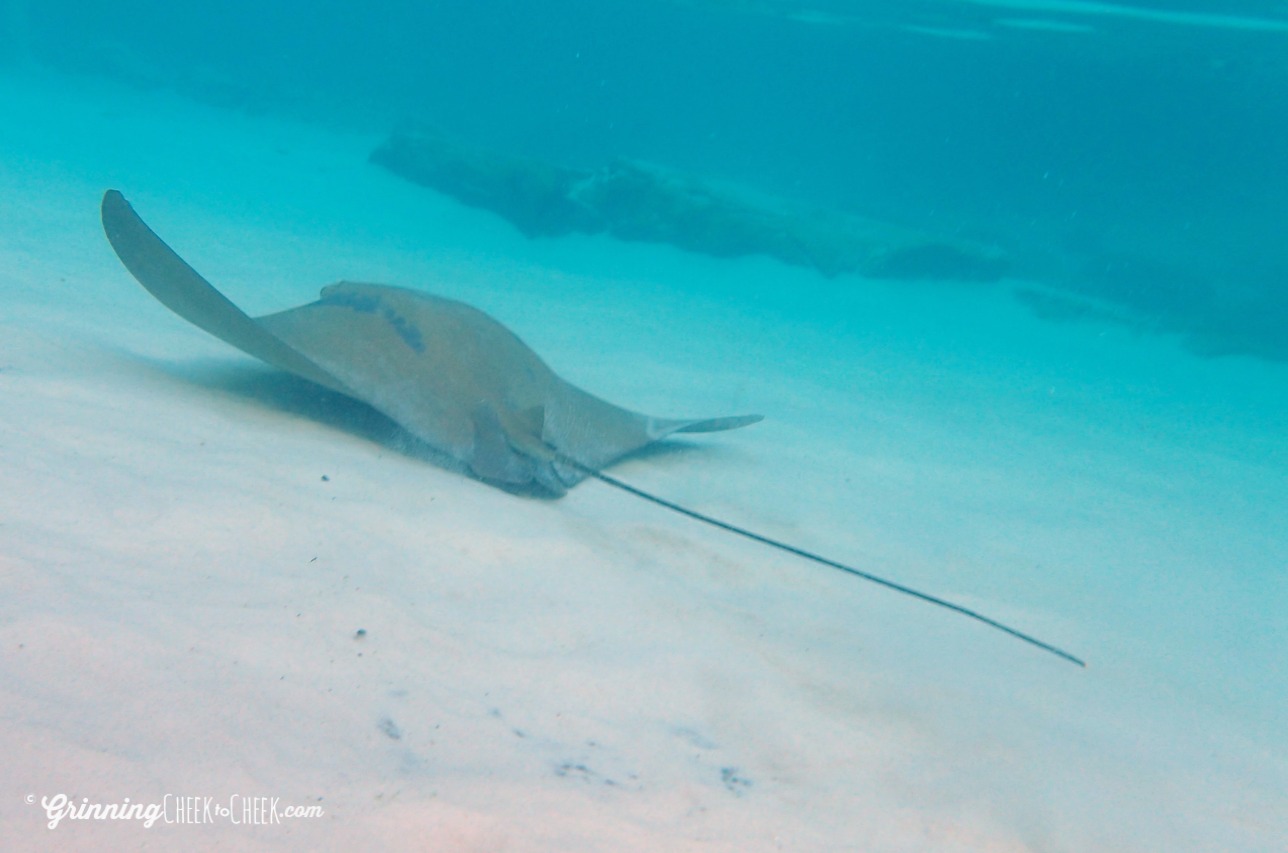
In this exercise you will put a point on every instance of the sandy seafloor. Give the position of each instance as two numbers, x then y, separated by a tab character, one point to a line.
182	588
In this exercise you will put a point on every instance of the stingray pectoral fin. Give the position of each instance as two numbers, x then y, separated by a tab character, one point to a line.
662	427
182	289
720	424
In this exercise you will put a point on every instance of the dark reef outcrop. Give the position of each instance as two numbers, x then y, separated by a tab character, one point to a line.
637	201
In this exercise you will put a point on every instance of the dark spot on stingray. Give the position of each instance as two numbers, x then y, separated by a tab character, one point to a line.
406	330
325	478
360	633
390	728
365	303
362	303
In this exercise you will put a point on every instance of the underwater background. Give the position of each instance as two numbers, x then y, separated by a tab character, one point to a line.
1007	278
1131	152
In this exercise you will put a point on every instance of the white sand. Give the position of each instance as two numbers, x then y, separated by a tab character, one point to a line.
180	589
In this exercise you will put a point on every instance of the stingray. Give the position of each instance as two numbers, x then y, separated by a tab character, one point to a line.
448	374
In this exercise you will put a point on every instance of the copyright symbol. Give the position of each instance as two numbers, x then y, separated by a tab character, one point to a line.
31	798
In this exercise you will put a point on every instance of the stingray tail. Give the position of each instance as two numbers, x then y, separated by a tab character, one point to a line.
801	552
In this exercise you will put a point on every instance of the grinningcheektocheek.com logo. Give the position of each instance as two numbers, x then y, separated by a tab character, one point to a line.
237	810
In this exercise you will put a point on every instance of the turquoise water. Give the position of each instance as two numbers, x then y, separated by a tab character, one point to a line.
1089	444
1127	151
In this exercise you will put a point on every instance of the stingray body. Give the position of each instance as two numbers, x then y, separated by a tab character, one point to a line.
446	372
453	377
